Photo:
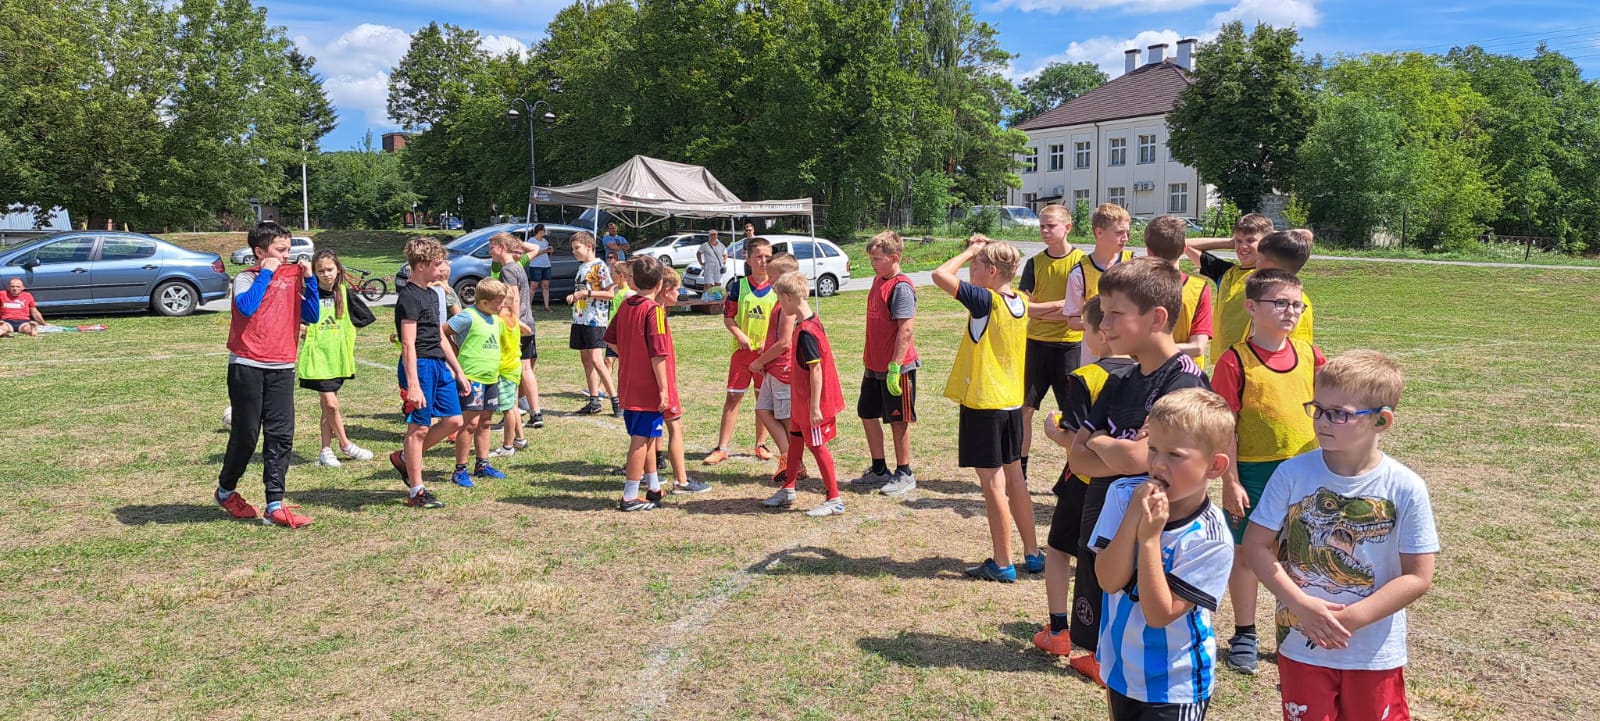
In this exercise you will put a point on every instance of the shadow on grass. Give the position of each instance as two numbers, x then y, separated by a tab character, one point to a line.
391	435
970	507
727	507
819	561
954	488
350	499
929	650
564	502
170	513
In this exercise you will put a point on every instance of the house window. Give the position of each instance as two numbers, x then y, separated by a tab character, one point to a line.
1119	152
1080	198
1030	160
1147	149
1058	157
1080	155
1117	195
1178	198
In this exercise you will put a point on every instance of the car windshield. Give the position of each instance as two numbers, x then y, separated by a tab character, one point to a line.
1022	213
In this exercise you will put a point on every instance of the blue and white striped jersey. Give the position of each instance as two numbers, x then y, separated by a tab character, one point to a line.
1175	664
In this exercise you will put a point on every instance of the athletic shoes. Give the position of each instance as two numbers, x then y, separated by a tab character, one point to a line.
236	506
616	407
462	478
502	452
357	453
1034	563
1055	644
284	515
900	483
691	486
424	499
537	422
1087	666
591	407
778	479
991	571
830	507
1242	653
637	504
717	456
398	460
661	460
782	499
484	470
764	453
327	459
871	479
520	443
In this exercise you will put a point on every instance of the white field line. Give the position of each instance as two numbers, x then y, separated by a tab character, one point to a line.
665	666
1454	348
111	359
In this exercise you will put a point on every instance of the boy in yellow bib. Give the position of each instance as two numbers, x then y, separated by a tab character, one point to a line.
1266	380
1109	223
987	380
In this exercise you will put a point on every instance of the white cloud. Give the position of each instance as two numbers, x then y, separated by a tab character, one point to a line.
355	69
1056	6
1277	13
501	44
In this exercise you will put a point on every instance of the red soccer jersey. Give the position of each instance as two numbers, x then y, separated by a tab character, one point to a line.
18	308
778	367
811	350
639	332
882	326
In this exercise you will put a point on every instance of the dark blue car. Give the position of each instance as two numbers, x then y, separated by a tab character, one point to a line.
85	270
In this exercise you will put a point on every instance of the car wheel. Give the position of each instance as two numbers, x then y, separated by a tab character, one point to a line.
827	285
666	260
174	298
467	291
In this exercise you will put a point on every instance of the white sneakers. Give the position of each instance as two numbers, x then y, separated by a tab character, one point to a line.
353	452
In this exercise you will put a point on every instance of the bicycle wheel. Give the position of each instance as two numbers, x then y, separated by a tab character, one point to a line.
374	289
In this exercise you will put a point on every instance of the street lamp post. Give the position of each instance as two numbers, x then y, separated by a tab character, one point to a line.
549	118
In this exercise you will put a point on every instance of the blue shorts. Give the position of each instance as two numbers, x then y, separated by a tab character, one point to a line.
537	273
644	424
439	386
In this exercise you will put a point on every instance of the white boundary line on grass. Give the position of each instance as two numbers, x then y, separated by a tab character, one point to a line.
670	657
113	359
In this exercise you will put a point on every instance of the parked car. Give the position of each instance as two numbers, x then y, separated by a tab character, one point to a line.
1009	214
107	270
821	262
469	258
300	248
679	250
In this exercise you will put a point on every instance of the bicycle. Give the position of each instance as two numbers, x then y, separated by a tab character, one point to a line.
373	289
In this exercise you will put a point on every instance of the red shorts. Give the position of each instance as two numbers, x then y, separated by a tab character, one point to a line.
813	436
1315	693
739	375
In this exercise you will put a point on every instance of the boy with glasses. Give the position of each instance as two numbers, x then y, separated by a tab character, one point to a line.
1344	537
1265	380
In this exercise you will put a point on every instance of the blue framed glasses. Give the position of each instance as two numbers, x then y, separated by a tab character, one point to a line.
1338	416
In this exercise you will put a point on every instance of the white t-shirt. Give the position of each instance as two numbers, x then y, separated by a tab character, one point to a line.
710	257
1340	539
1177	663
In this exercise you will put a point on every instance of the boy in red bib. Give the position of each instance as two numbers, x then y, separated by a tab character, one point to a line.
817	398
638	334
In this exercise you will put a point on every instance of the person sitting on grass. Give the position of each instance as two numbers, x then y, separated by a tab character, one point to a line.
814	382
987	380
18	311
476	334
639	337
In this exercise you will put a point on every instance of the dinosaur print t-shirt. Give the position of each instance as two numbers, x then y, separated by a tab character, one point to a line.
1340	539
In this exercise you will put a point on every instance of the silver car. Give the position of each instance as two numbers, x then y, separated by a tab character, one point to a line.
300	248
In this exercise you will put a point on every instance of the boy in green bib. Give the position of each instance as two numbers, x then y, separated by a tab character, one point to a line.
476	333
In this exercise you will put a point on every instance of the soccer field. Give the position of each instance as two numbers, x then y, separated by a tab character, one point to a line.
125	593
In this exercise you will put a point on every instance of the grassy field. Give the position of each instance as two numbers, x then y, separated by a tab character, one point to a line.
126	594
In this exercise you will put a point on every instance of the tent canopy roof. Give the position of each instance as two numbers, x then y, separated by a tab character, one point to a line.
660	187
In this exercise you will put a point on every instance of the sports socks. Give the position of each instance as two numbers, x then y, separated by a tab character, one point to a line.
273	506
1060	622
879	466
630	490
902	469
223	494
653	480
1249	630
824	457
414	490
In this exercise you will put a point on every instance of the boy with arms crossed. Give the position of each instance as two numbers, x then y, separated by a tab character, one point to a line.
1053	344
889	383
815	382
1163	559
1344	537
270	302
428	370
986	380
1140	300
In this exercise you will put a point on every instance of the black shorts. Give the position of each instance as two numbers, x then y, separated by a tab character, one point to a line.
988	438
330	385
1047	368
587	337
611	353
1086	594
1068	518
1127	709
530	347
876	402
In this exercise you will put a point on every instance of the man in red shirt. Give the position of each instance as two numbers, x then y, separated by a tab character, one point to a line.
18	312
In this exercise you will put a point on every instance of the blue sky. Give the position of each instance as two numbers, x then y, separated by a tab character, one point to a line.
357	41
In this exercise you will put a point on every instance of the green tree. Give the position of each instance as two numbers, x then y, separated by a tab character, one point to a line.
1055	84
1250	107
434	76
1356	172
362	188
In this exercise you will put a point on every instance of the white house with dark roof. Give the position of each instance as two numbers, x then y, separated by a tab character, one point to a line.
1109	145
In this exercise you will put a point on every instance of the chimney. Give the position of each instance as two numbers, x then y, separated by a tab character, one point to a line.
1157	53
1132	60
1186	54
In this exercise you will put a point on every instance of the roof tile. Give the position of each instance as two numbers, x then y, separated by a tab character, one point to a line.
1151	89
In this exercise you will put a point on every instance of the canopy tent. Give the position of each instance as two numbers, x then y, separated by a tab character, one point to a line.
642	187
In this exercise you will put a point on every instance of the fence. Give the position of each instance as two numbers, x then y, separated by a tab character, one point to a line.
1528	242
